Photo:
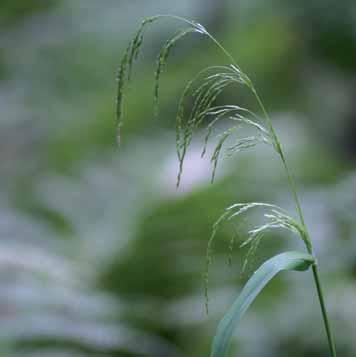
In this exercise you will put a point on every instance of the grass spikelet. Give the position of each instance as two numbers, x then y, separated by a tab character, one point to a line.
181	106
240	208
221	112
125	70
231	246
162	60
180	118
205	96
245	143
209	259
275	218
184	131
209	132
253	124
240	144
216	154
251	253
120	92
136	43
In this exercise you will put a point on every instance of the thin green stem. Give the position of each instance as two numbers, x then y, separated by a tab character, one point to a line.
324	311
278	147
223	49
306	238
294	193
291	183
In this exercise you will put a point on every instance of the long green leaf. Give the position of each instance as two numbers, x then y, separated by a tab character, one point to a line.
285	261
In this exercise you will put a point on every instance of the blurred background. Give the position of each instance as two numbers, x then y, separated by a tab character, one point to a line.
100	254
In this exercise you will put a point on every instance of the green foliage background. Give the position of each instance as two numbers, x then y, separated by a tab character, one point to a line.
100	255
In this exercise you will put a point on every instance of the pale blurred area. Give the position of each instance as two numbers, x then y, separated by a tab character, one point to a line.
100	254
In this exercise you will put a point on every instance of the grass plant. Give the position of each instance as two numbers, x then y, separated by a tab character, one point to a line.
204	89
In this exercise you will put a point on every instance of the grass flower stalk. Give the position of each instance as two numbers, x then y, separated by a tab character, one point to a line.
205	88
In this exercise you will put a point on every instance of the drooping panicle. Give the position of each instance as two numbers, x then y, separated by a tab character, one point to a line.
125	69
137	42
216	154
131	54
163	57
184	130
204	96
277	218
120	92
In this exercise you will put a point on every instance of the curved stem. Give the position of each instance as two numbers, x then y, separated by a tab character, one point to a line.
278	147
307	239
291	184
294	193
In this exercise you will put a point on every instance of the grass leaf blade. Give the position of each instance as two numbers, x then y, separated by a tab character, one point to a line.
285	261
